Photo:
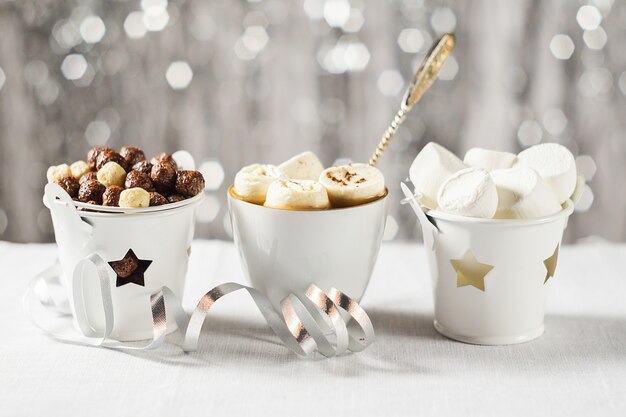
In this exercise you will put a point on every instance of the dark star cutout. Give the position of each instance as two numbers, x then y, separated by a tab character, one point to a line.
130	269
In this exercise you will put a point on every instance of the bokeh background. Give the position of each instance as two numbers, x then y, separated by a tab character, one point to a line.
237	82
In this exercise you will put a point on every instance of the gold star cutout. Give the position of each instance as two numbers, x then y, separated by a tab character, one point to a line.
469	271
550	264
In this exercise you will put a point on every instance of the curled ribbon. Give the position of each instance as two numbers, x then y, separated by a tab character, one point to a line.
305	325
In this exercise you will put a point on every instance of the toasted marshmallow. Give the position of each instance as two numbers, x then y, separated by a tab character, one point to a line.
353	184
488	159
252	181
431	167
523	194
297	195
556	165
469	192
304	166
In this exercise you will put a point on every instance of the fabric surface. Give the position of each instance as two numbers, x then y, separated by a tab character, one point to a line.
578	367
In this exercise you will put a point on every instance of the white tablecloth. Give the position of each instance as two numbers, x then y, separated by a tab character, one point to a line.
577	368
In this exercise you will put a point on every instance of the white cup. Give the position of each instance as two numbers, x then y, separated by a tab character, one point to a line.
160	234
284	251
516	256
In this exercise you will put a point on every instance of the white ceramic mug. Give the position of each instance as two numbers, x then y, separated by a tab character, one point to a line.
510	308
283	251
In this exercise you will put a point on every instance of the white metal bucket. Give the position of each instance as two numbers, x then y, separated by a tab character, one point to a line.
490	277
284	251
159	234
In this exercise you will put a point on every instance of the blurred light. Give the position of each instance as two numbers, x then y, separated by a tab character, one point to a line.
155	19
134	26
3	78
443	20
74	66
586	166
449	70
147	5
92	29
562	46
97	133
585	201
208	209
314	9
4	221
595	39
554	121
48	92
213	174
336	12
529	133
341	161
303	110
355	21
179	75
66	34
588	17
596	83
391	228
254	38
346	55
390	82
332	110
603	5
411	40
36	73
622	82
110	116
242	52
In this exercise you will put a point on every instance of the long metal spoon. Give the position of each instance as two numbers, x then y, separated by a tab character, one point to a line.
424	78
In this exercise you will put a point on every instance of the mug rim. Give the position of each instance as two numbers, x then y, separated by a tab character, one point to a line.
230	193
567	209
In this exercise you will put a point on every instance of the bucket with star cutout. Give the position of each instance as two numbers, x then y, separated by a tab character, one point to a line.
490	277
139	249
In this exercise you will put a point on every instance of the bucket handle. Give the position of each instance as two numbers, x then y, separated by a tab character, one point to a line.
63	210
429	229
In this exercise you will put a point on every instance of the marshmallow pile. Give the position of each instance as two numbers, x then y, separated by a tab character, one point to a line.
302	183
491	184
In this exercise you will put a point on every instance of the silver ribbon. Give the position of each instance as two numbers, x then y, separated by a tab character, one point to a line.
305	325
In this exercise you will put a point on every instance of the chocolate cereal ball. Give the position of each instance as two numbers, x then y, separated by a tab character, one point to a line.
69	184
189	183
90	176
91	191
175	198
164	157
111	196
143	166
163	176
137	179
92	156
132	155
157	199
110	156
126	266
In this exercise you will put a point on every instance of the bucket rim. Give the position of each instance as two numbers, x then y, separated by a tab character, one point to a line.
106	211
566	211
231	197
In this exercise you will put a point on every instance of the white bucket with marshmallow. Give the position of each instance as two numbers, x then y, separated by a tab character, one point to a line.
490	277
159	237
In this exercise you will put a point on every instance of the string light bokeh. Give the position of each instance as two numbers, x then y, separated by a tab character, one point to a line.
258	81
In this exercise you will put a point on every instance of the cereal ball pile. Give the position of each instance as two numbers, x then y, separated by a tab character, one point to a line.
126	179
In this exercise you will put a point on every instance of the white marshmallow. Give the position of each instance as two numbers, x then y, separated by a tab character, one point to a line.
304	166
488	159
469	192
353	184
431	167
556	165
252	181
297	195
523	194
